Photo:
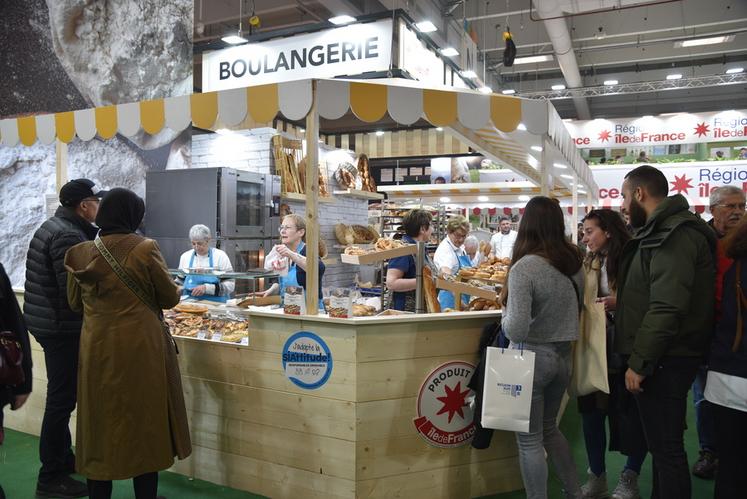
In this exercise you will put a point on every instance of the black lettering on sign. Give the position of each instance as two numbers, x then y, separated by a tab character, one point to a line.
254	71
223	67
372	47
318	61
333	53
238	73
347	51
298	58
267	66
282	62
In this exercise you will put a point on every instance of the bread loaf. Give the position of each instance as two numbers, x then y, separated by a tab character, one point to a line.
430	292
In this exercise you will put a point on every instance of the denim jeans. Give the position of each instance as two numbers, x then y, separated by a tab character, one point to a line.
552	373
703	412
595	438
55	444
662	405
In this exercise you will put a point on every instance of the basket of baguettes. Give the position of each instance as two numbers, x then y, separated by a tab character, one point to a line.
382	249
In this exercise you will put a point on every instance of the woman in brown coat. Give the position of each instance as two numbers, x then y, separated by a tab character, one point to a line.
131	415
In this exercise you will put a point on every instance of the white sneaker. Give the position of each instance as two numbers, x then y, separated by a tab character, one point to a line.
595	487
627	487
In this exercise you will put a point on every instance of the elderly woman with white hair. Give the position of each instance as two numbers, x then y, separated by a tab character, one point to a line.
472	248
202	256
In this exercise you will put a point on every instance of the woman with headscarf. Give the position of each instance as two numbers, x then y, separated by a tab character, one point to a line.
131	415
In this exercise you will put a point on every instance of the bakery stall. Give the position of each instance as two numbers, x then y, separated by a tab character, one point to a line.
313	405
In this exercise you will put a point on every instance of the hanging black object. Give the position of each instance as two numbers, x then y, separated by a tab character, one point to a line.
509	53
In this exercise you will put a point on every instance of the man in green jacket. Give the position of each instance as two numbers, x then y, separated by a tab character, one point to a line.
665	301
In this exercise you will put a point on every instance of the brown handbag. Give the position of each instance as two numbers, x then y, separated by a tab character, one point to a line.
11	358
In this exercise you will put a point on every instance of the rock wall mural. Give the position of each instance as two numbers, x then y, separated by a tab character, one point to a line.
62	55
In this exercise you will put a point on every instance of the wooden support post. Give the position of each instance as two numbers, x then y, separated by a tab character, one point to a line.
312	197
60	164
589	199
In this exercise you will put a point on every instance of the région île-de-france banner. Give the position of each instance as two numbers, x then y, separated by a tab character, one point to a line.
695	181
349	50
682	128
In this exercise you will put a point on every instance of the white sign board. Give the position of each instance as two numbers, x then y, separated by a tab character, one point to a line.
418	60
683	128
695	181
346	51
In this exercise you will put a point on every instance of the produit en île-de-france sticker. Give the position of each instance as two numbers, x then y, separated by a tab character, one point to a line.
444	414
307	361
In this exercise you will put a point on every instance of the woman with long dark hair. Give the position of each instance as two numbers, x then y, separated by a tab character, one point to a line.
540	313
605	235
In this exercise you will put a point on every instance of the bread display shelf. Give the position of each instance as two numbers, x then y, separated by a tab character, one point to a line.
486	280
356	193
378	256
295	196
259	301
465	289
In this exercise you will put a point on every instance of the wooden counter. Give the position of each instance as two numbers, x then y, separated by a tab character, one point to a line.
253	429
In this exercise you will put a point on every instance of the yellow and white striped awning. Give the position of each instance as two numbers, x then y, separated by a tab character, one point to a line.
369	102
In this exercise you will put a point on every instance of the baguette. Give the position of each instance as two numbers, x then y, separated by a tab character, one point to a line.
431	293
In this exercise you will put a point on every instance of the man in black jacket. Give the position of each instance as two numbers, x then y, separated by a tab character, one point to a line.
57	328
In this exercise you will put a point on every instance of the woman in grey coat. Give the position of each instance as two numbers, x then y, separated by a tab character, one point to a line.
541	308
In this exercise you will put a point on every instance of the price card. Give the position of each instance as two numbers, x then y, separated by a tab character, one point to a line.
217	336
201	335
244	341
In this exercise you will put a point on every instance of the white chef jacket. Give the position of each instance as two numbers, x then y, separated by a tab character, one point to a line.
502	245
447	255
220	262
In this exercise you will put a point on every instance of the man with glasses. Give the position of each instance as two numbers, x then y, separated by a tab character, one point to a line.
57	328
727	205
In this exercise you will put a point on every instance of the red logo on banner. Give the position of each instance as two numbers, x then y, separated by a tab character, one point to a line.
444	416
604	135
701	129
476	211
681	184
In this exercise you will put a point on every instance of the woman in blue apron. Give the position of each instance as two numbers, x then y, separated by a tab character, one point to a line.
450	257
202	256
401	271
291	255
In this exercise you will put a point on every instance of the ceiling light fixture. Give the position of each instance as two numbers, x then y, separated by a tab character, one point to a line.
696	42
482	199
559	86
426	27
560	166
439	129
234	39
532	59
468	74
734	71
486	89
379	133
521	127
675	76
537	148
340	20
524	197
449	52
508	91
444	199
567	176
609	83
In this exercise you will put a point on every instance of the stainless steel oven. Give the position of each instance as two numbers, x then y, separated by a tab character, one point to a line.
240	208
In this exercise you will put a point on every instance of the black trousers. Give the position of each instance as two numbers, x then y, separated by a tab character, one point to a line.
731	438
145	485
55	445
662	406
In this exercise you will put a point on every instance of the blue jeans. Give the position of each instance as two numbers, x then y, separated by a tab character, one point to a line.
552	373
703	412
595	438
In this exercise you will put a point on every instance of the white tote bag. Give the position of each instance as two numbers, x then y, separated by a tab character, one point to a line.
590	353
507	392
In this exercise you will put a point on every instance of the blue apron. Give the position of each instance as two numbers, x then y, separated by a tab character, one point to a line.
194	280
446	298
291	279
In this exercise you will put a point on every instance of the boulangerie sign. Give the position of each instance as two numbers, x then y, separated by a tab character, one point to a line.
349	50
683	128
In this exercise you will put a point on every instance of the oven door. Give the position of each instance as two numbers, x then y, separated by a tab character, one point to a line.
247	255
246	204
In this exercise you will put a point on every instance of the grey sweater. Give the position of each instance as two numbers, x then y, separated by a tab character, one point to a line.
542	305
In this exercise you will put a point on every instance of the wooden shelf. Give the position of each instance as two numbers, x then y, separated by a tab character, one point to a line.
295	196
355	193
378	256
465	289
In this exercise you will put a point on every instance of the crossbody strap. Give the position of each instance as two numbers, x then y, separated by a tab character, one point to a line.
125	277
578	294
